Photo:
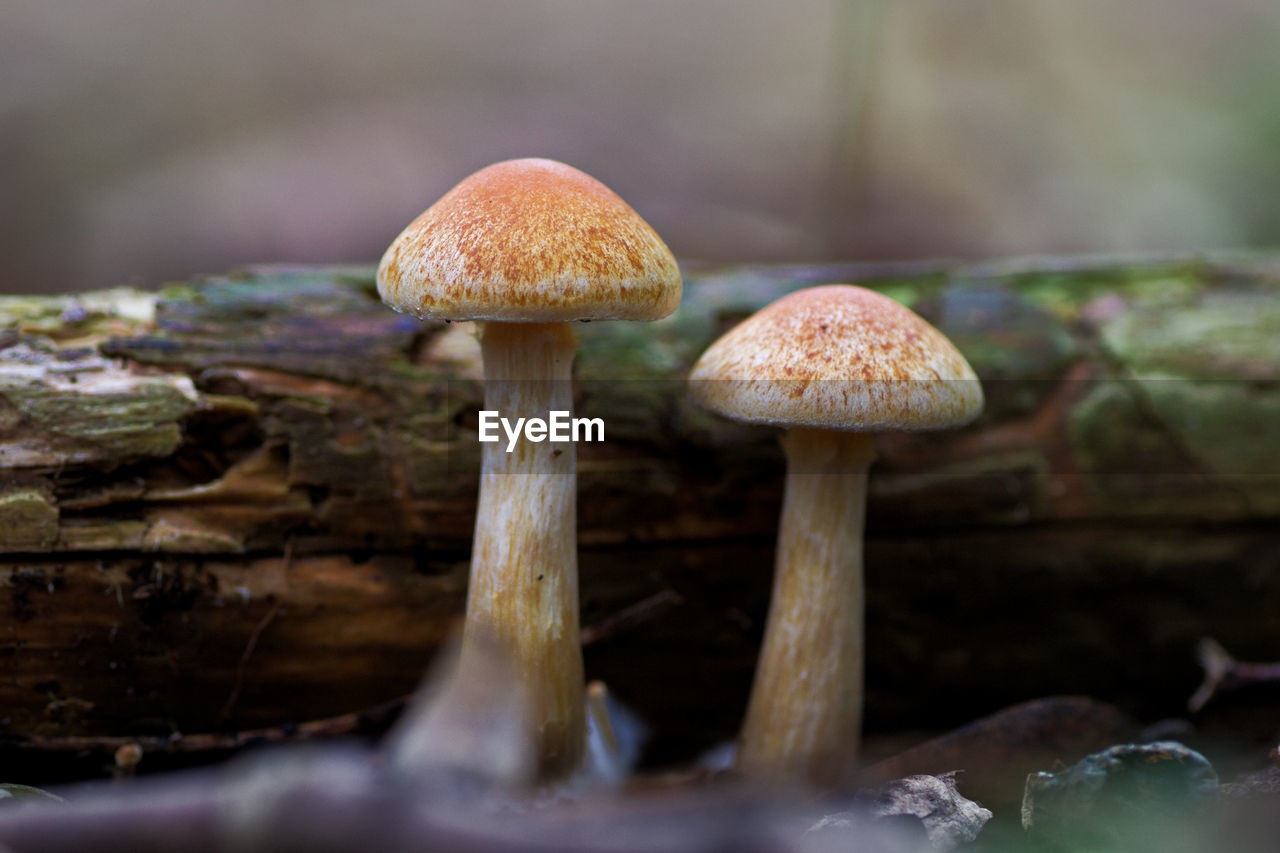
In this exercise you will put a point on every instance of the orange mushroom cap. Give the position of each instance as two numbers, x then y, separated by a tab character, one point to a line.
837	357
530	241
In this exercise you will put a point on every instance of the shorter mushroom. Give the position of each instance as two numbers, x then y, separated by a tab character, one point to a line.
833	365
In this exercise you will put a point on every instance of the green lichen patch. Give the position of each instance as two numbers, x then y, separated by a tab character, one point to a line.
1138	460
1064	289
86	409
96	314
1111	433
1231	335
122	425
628	351
1231	429
176	533
28	518
96	535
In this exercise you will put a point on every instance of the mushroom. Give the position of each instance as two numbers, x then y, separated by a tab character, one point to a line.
526	247
833	365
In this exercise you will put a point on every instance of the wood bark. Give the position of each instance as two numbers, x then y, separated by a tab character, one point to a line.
248	500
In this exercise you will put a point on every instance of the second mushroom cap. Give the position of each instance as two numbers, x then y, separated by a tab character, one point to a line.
838	357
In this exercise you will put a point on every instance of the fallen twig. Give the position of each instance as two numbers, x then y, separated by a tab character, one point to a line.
1223	673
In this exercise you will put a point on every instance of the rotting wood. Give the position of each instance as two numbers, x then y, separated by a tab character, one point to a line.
158	451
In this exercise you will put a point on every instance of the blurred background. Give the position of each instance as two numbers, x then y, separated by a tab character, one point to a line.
143	141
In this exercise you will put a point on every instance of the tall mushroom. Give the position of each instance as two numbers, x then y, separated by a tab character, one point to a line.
527	246
833	365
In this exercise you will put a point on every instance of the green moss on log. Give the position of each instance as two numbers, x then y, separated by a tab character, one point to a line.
28	518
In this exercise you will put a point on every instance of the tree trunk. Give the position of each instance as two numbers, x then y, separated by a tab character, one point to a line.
249	500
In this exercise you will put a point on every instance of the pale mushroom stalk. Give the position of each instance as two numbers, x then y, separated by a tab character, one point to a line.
833	364
806	705
524	563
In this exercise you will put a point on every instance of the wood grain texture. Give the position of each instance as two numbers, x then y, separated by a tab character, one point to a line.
273	456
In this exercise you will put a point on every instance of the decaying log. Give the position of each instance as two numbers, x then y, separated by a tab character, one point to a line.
248	500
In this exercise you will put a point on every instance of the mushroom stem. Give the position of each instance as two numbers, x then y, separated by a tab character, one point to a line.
524	564
806	702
